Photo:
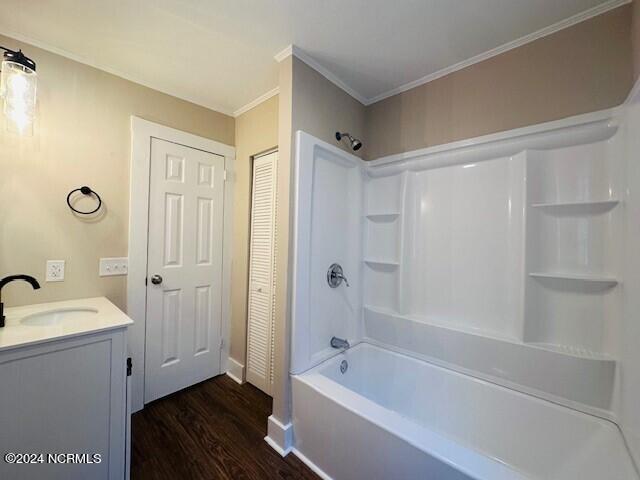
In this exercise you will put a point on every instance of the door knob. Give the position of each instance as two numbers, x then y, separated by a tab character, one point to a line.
156	279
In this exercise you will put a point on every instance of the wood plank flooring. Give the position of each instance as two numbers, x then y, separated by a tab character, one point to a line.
213	430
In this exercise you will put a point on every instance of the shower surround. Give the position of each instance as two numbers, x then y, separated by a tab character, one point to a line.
500	258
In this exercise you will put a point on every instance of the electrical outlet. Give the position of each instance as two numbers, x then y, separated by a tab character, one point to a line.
113	266
55	271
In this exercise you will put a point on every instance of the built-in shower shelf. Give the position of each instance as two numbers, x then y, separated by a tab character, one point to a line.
382	216
591	279
573	350
377	261
601	206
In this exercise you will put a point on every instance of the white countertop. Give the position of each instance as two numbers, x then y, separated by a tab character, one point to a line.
99	315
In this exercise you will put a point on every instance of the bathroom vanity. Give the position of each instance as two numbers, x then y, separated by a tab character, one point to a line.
63	405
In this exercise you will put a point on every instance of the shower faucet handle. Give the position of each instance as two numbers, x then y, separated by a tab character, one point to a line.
335	276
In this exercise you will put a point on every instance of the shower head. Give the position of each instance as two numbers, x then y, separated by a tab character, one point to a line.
355	143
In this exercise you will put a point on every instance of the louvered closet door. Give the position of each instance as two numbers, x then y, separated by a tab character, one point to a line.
262	274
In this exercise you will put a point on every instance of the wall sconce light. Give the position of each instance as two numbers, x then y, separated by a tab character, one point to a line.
18	90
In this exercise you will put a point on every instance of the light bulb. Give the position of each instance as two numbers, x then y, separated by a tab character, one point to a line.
18	84
18	90
19	119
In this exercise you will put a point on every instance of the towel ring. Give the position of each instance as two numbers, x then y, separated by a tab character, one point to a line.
85	191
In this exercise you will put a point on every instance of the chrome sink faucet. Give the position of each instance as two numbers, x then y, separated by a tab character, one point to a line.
339	343
27	278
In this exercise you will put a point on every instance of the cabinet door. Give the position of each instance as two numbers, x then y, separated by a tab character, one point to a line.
65	397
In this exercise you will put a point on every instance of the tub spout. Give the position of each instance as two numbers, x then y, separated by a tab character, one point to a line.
339	343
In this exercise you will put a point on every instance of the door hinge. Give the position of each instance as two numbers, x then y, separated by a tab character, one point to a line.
129	366
146	281
221	343
224	175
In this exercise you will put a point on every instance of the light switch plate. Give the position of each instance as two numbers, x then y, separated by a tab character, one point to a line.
110	267
55	271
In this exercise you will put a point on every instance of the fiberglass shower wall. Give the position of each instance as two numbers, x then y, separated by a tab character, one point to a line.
521	248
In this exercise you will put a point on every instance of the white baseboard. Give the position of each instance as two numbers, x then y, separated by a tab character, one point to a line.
235	370
279	436
316	469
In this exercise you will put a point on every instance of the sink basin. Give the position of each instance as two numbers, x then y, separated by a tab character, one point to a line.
46	322
57	316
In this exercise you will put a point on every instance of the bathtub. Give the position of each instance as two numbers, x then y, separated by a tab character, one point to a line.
390	416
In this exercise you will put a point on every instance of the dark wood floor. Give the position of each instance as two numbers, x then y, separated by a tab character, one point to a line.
213	430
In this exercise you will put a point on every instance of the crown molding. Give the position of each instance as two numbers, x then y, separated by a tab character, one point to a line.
254	103
303	56
292	50
556	27
284	53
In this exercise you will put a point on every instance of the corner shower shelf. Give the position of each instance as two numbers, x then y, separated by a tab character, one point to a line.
383	216
600	206
372	261
592	279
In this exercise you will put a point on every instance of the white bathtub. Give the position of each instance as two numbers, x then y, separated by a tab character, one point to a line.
390	416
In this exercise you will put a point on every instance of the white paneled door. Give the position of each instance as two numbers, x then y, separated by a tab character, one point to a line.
262	274
184	277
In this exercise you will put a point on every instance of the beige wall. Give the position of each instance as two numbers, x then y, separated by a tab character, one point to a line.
281	389
81	138
256	132
579	69
321	108
309	102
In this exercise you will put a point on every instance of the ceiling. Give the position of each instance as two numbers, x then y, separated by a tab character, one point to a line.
220	53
